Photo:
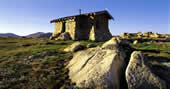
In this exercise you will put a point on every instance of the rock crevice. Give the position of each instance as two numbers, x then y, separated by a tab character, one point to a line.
113	66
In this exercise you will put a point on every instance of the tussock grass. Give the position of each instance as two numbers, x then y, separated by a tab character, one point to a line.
18	71
160	49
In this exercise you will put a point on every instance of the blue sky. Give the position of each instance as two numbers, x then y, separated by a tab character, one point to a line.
28	16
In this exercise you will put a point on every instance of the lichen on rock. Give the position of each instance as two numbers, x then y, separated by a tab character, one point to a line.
139	75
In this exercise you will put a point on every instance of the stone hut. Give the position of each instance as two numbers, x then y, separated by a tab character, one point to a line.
89	26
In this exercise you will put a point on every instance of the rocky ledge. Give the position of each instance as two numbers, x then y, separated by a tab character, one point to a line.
115	65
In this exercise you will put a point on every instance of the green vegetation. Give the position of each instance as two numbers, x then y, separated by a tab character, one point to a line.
158	49
40	63
34	63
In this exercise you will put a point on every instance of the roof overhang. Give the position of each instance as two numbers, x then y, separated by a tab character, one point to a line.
105	12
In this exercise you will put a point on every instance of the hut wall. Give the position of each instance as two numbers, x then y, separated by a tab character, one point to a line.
58	28
92	31
101	30
83	27
70	27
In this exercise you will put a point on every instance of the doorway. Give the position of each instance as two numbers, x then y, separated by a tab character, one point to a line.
64	27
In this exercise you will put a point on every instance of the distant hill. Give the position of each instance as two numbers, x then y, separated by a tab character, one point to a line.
40	35
34	35
9	34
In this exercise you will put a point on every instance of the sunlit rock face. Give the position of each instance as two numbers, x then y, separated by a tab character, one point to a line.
99	67
74	47
139	76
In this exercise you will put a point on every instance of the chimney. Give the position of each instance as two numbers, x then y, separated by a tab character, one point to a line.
79	11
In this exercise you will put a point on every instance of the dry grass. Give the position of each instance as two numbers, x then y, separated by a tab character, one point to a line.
18	71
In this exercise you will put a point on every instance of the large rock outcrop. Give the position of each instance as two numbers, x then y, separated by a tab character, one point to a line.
139	75
149	35
91	45
61	36
99	67
74	47
100	35
109	67
161	67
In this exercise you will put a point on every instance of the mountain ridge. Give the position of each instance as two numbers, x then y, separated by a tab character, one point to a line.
9	35
34	35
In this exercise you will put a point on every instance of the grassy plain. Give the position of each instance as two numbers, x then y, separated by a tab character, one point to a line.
47	68
18	71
